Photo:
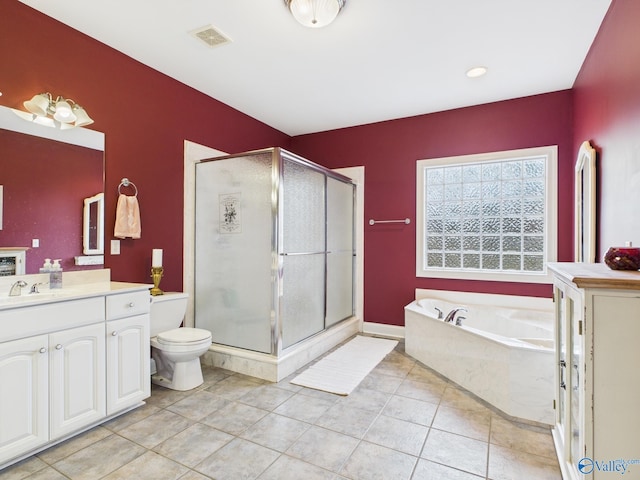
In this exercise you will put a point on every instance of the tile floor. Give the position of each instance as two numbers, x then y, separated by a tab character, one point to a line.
403	422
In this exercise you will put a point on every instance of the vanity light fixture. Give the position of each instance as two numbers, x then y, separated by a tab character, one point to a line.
61	112
315	13
476	72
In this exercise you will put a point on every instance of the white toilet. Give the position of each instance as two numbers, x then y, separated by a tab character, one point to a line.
175	351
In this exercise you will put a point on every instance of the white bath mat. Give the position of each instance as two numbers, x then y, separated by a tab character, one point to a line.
341	371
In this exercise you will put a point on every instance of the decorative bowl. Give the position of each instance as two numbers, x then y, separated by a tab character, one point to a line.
623	258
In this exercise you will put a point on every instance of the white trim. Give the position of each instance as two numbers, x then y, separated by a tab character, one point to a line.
383	330
551	223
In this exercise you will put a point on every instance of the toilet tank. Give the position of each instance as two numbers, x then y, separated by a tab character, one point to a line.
167	311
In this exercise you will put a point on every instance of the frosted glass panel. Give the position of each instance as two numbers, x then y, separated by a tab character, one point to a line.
340	245
302	301
339	287
233	246
303	208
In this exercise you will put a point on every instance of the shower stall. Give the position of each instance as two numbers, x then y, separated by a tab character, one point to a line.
274	260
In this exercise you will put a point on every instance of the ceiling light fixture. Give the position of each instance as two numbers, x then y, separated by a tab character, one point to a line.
61	112
476	72
315	13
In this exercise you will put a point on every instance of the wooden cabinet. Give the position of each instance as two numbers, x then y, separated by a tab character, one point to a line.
598	387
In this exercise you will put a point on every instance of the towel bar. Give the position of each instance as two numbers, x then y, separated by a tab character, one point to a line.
406	221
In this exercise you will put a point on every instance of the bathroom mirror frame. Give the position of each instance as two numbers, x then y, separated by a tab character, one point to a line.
93	225
585	204
16	121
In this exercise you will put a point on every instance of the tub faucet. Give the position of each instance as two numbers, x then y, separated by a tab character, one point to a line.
16	288
451	315
439	313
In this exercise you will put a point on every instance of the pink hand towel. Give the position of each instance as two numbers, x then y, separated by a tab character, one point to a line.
127	217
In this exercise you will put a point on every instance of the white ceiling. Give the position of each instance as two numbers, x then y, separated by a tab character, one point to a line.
380	59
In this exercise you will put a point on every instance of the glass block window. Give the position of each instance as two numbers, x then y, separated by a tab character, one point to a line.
487	216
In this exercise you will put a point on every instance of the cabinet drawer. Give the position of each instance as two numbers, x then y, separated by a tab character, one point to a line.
128	304
50	317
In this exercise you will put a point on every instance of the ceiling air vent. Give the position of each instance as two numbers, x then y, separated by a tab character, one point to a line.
210	36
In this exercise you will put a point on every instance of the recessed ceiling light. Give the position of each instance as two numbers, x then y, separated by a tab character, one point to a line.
476	72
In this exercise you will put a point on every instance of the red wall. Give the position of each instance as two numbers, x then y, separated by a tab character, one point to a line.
45	184
146	116
607	113
389	151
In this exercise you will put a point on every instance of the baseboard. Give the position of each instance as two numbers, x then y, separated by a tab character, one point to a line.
384	330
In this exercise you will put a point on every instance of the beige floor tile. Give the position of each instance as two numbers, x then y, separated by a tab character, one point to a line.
149	466
266	397
238	460
426	470
381	382
99	459
365	399
397	434
507	464
23	469
323	448
275	432
234	418
427	392
470	423
163	397
193	445
287	467
64	449
458	398
410	409
456	451
347	420
131	417
193	475
156	428
47	473
304	408
374	462
198	405
523	437
235	386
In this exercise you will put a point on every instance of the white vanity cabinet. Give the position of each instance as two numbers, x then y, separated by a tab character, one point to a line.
598	357
128	350
69	362
24	395
77	378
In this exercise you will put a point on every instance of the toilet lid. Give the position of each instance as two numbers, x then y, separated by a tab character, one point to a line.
183	336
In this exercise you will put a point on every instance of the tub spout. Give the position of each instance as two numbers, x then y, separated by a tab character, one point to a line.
452	314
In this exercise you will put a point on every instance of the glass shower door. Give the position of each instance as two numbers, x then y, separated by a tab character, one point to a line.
340	247
302	252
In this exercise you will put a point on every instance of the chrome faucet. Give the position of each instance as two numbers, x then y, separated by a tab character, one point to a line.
439	313
16	288
451	315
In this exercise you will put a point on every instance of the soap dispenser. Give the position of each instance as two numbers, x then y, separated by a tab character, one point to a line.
46	268
55	275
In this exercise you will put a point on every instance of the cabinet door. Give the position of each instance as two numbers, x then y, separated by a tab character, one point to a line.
128	353
24	388
77	378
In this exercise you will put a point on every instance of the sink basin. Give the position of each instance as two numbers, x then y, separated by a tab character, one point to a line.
27	297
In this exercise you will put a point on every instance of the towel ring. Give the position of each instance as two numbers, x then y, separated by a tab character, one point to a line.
125	182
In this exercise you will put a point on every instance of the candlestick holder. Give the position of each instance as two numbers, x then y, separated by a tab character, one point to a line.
156	275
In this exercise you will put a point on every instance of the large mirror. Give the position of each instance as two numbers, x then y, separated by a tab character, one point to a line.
45	176
585	204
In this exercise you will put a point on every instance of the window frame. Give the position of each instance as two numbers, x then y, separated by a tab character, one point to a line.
550	217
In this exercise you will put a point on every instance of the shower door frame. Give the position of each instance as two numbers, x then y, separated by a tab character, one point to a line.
279	155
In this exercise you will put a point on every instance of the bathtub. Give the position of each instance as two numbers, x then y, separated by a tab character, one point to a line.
503	352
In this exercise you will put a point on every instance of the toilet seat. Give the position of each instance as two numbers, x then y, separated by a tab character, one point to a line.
183	336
